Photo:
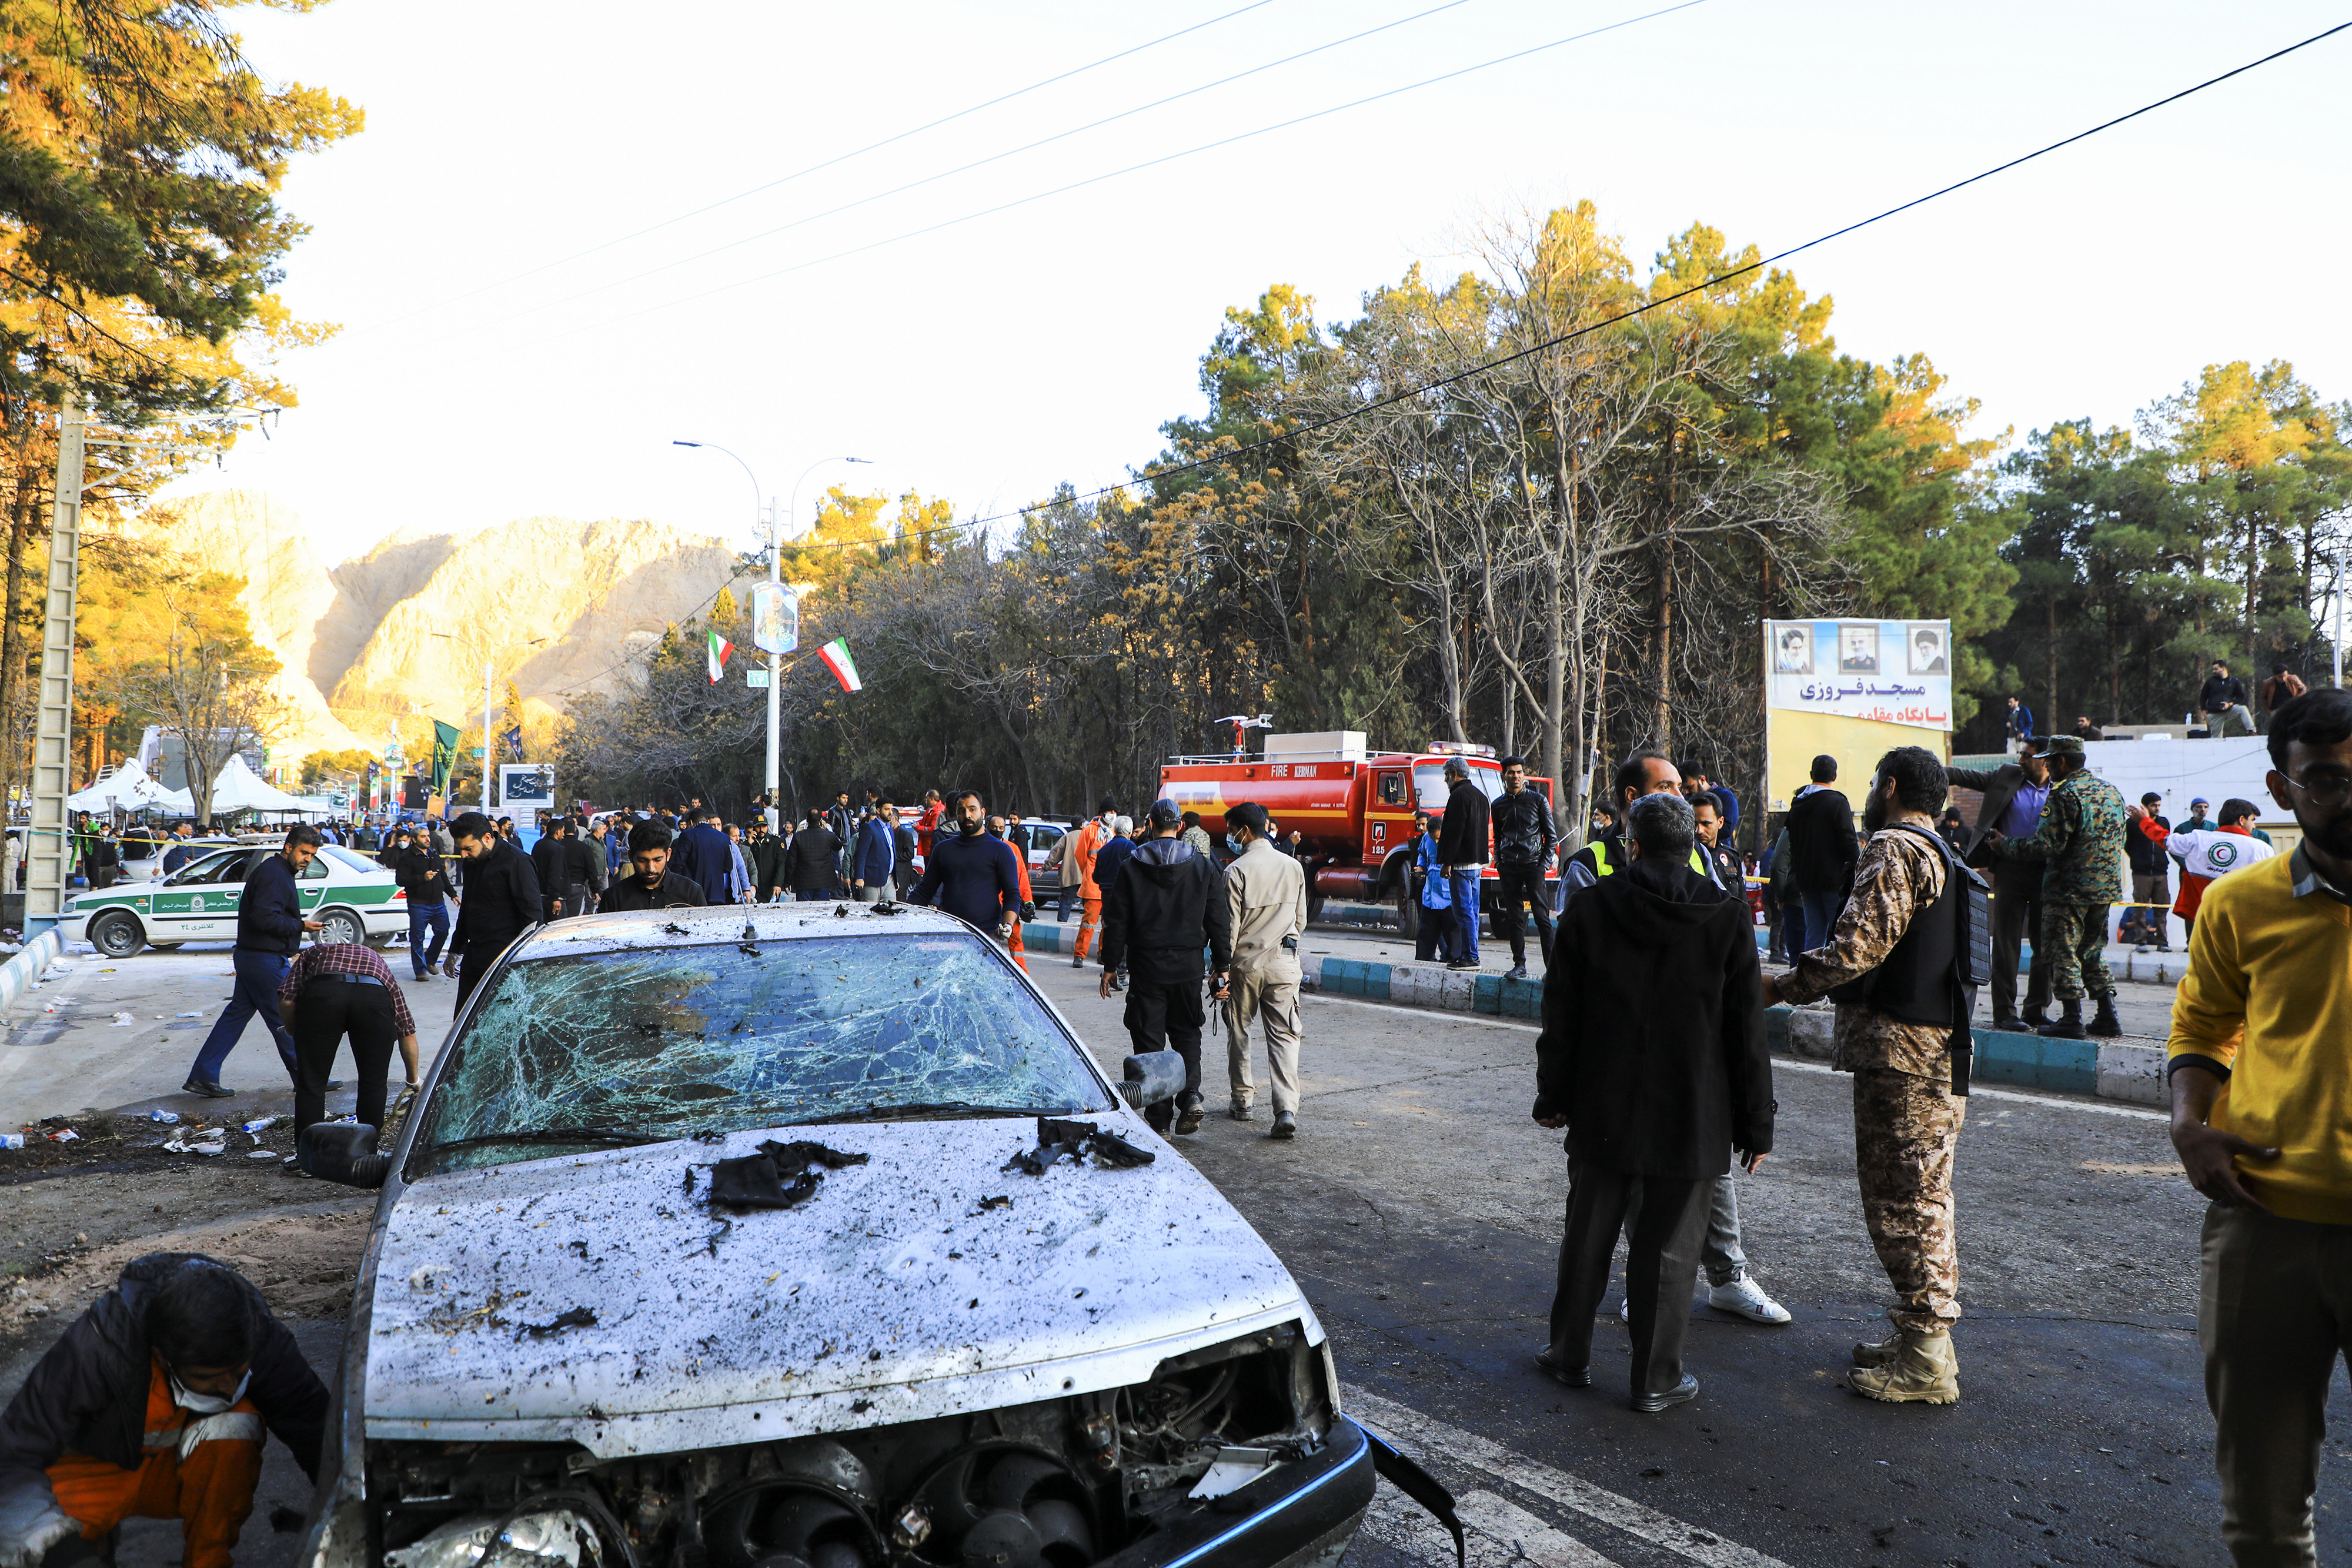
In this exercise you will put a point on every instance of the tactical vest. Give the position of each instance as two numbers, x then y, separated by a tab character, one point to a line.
1930	975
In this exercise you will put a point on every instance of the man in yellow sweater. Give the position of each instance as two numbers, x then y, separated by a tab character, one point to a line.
2261	1068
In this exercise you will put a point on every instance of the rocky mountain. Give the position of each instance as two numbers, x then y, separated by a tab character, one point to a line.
556	606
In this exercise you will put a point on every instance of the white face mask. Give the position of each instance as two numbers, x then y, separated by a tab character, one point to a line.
207	1403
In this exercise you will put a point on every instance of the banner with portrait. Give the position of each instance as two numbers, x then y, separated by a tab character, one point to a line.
1851	689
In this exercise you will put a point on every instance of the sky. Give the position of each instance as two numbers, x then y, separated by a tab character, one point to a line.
571	236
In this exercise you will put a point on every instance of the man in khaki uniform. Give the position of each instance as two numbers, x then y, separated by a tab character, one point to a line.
1906	1119
1265	890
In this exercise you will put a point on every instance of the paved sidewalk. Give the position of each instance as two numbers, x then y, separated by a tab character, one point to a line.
64	1049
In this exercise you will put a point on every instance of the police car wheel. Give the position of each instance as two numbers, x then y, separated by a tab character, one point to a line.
341	929
116	935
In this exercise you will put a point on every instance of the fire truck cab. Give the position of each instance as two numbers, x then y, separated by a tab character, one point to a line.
1351	806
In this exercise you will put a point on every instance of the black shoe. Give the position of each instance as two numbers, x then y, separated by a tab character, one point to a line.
2106	1026
2036	1020
1571	1376
2009	1025
1516	972
209	1091
1187	1120
2069	1025
1650	1403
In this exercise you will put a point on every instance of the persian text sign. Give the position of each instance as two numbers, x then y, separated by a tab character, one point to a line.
1890	672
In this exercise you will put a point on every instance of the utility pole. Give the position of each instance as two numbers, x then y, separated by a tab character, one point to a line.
50	852
775	679
487	750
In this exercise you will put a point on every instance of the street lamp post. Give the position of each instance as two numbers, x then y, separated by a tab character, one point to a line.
775	562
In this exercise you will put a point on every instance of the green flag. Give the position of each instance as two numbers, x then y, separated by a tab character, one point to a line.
445	756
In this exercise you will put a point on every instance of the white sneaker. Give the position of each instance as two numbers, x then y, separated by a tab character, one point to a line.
1745	1298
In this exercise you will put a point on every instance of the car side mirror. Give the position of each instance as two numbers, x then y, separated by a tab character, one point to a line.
343	1152
1153	1078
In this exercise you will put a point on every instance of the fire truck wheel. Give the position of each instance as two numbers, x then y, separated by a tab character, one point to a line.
1408	913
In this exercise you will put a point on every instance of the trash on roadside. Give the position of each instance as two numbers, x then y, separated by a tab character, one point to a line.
187	1015
12	1139
169	1118
65	1135
261	1154
124	1020
202	1141
258	1123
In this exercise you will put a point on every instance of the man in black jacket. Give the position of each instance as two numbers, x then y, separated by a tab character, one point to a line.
547	863
269	927
154	1404
426	882
2223	698
1524	836
1653	1056
502	901
767	852
1462	844
2013	794
2151	873
652	884
1165	904
1821	848
815	855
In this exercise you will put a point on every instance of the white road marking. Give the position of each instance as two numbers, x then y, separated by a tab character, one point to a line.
1976	1091
1499	1533
1449	1445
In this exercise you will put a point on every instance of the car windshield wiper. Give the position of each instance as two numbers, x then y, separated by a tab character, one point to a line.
559	1136
922	1110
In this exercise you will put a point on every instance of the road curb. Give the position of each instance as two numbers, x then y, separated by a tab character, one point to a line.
17	975
2107	1069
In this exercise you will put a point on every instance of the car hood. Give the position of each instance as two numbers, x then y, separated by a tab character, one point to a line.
592	1299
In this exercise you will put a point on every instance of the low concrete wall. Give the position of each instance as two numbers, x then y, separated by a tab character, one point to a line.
17	975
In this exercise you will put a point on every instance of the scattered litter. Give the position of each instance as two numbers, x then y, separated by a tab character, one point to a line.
65	1135
124	1020
261	1154
1002	1200
781	1175
187	1015
168	1118
199	1141
258	1123
427	1276
12	1139
1058	1140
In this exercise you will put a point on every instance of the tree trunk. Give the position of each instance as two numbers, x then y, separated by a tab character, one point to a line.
2050	712
1662	669
12	633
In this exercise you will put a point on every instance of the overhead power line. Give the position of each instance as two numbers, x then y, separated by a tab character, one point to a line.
976	163
1138	168
812	169
1293	432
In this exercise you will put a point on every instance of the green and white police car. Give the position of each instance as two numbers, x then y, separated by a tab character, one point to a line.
354	898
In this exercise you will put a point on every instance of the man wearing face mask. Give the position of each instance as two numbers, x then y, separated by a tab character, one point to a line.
154	1404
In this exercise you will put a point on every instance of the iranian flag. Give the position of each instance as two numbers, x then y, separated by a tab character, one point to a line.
719	648
837	658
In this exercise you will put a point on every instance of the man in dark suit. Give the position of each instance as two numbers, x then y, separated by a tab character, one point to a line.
2013	793
502	901
1823	850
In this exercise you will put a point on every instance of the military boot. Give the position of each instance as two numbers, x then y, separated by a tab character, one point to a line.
1923	1372
2107	1026
1868	1354
2070	1022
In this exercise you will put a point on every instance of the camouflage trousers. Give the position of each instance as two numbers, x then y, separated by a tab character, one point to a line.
2076	937
1905	1129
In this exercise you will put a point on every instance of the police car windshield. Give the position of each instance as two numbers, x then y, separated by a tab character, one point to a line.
1429	783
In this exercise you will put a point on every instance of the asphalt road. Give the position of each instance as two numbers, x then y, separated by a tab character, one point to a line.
1421	1209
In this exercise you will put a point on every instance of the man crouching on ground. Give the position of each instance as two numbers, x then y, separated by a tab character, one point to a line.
1653	1057
153	1406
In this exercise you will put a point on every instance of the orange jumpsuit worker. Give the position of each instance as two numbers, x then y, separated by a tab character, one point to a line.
1082	855
1021	863
153	1406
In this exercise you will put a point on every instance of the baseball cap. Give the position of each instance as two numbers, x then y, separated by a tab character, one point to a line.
1166	813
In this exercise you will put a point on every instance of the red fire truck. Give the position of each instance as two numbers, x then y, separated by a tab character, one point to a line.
1352	807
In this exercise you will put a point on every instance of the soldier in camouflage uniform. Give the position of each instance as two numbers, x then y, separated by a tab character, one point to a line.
2080	844
1906	1120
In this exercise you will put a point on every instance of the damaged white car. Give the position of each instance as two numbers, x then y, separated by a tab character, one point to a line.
814	1241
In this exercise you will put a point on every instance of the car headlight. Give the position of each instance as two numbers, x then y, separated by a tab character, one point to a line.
556	1538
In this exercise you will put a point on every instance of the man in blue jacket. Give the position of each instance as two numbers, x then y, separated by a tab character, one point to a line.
269	927
971	874
877	855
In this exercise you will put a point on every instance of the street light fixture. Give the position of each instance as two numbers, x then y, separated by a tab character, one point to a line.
775	575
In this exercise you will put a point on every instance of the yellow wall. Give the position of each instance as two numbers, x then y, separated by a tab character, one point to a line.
1792	740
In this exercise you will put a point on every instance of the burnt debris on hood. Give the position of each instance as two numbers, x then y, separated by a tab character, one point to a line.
1058	1140
781	1175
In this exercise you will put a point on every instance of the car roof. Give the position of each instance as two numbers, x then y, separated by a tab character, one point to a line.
638	928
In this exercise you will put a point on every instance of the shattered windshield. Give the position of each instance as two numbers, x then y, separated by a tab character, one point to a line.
642	1045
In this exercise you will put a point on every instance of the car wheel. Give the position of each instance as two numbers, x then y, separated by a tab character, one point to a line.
1408	911
117	934
341	928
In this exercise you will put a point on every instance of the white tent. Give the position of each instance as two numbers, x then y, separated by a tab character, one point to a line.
237	788
129	788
